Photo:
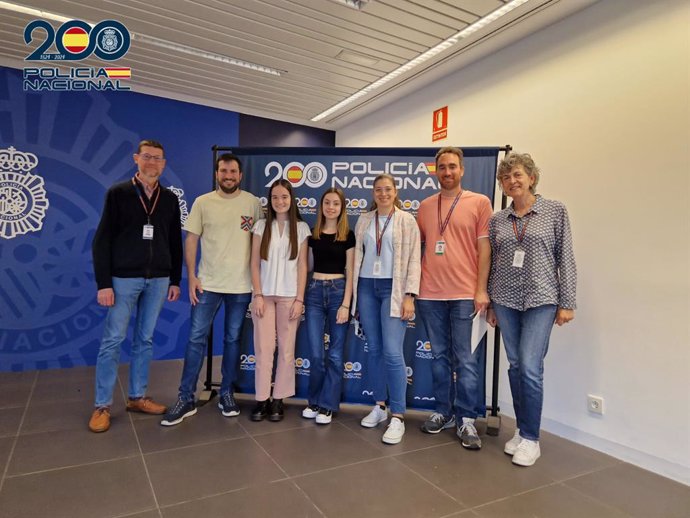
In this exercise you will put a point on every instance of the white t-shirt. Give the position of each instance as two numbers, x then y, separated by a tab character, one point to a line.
279	273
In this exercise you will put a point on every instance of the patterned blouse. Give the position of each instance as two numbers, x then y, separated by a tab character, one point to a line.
548	274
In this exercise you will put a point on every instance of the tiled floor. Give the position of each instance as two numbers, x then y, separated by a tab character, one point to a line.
210	466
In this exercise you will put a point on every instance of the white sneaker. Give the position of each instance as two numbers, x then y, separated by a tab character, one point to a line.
394	432
512	445
324	417
373	418
527	453
310	412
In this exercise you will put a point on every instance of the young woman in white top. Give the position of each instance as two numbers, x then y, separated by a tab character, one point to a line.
279	276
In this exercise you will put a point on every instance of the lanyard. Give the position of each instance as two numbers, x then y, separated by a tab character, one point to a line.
442	225
140	191
379	237
521	235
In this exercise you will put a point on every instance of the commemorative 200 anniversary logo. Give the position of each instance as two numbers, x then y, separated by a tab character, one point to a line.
75	40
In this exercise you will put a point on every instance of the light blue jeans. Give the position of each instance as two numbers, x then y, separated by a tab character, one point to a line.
385	336
147	297
526	337
203	314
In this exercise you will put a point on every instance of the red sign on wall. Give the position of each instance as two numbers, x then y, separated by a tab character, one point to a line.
439	126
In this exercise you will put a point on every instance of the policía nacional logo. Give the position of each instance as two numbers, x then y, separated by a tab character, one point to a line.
23	201
75	40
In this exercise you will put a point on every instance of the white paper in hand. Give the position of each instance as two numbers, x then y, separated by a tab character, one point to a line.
479	328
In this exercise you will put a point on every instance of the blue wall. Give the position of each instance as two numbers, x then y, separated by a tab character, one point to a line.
84	143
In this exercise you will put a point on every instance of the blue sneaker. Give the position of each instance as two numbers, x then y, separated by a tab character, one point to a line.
179	412
228	406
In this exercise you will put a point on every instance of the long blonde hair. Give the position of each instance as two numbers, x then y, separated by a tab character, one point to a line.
343	226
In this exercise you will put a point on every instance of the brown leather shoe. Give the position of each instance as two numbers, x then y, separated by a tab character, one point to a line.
145	405
100	420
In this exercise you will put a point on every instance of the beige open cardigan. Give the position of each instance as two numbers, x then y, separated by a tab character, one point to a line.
407	251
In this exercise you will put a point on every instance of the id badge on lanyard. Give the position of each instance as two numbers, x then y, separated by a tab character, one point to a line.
519	255
147	229
379	241
440	247
147	232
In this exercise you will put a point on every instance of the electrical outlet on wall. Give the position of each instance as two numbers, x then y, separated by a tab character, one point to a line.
595	404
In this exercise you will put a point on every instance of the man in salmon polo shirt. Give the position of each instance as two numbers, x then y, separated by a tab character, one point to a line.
454	226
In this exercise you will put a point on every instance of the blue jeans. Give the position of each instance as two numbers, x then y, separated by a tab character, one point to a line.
203	314
147	296
385	336
526	337
448	325
322	300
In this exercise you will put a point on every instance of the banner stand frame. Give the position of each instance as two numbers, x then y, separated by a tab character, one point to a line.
493	416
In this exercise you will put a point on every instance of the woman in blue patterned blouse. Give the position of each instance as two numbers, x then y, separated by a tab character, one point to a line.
532	286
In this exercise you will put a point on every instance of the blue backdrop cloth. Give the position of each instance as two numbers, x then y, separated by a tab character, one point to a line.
313	170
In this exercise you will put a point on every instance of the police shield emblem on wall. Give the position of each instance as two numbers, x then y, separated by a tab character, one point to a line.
23	201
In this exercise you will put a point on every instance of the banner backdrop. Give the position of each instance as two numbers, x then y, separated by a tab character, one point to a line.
311	171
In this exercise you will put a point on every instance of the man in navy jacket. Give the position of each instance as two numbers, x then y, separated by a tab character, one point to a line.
137	257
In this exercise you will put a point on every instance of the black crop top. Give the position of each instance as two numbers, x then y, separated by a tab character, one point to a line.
329	254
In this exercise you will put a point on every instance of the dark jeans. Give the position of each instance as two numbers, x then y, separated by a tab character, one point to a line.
203	313
448	324
322	300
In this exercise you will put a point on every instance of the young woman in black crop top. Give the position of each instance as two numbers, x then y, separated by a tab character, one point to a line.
331	249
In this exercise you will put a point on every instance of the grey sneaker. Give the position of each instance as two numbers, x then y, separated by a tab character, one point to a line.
469	438
179	412
437	422
228	406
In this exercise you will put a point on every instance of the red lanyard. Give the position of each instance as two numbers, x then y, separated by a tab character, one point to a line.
379	237
442	225
521	235
157	194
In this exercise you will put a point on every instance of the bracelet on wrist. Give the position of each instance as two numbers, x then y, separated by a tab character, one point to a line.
344	306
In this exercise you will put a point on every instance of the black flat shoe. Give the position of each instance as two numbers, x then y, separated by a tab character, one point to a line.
276	410
260	411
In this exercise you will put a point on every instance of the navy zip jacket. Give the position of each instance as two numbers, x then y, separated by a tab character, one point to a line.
119	249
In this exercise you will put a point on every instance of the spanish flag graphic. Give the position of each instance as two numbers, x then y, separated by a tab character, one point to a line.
294	174
118	73
431	167
75	40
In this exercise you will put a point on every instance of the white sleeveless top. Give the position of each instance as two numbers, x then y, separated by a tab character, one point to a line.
279	273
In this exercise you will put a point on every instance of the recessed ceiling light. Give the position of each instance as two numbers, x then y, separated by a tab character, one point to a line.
445	44
356	58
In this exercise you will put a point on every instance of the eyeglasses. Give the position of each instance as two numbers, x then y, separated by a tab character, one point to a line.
146	157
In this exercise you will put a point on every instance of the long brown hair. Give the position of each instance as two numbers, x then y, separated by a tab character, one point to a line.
293	218
343	227
385	176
